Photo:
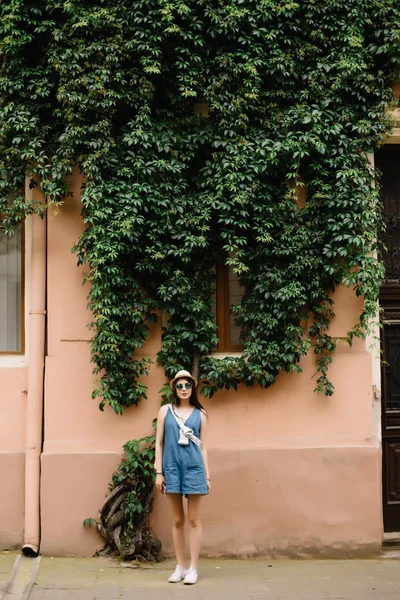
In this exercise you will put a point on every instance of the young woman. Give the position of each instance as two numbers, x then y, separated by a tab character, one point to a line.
182	468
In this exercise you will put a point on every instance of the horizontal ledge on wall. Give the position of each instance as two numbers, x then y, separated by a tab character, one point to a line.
221	355
13	362
289	444
233	444
75	339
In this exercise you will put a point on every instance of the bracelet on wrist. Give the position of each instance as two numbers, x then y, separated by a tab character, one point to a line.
158	473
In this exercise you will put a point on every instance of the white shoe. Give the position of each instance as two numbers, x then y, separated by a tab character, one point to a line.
191	576
178	574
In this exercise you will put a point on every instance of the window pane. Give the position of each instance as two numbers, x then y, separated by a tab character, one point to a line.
235	294
10	293
387	161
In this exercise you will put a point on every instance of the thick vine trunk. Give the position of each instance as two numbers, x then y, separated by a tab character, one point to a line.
195	365
128	535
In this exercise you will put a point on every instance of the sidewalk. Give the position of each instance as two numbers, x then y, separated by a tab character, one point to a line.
7	560
106	579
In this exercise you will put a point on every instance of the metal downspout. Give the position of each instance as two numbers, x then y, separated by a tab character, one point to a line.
34	409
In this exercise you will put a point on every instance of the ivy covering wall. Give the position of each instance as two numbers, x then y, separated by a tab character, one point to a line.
194	123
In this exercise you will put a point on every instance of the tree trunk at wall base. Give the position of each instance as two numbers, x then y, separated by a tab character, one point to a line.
132	538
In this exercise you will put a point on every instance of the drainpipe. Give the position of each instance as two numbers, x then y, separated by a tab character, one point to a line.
34	409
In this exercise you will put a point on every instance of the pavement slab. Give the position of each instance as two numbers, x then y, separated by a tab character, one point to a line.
107	579
7	559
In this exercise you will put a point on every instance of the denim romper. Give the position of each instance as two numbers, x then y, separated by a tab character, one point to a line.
183	466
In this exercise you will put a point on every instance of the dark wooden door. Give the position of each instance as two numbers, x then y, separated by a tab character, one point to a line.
388	162
391	421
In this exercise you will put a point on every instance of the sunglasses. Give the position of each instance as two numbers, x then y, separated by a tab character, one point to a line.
180	386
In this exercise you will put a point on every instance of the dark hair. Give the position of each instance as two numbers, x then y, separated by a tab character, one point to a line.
193	400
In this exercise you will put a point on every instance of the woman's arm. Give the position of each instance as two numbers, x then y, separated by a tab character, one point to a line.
203	437
159	448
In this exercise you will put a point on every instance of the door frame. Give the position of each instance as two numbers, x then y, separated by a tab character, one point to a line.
389	302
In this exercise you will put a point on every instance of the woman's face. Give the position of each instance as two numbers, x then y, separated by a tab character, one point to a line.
184	388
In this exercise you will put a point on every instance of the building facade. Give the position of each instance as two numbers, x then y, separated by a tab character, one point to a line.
294	473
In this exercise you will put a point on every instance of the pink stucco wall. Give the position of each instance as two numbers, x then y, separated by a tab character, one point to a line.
293	473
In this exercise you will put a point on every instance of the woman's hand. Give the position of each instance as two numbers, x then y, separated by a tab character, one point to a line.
160	483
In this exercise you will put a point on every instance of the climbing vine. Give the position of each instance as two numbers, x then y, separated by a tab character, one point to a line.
194	124
124	517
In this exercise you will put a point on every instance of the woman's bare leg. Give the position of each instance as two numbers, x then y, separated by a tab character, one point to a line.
178	523
195	530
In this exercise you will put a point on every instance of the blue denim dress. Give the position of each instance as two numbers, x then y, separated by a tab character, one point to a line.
183	466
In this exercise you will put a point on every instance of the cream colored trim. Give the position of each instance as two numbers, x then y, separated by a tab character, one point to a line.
221	355
374	348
